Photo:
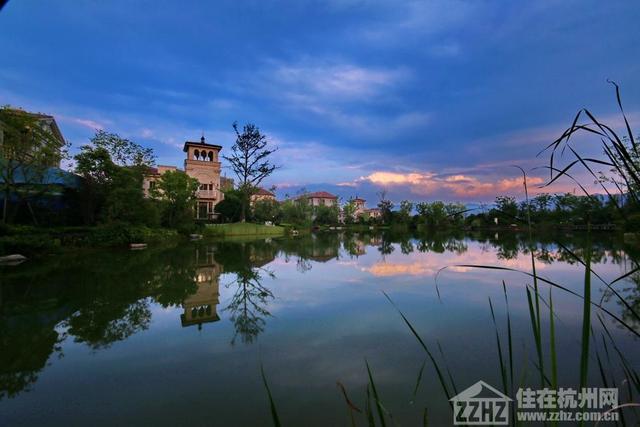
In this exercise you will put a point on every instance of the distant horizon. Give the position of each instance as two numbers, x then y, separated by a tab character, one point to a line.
430	100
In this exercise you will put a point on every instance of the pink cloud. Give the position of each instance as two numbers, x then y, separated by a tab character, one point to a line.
462	186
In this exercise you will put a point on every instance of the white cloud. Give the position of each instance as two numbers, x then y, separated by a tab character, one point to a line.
334	82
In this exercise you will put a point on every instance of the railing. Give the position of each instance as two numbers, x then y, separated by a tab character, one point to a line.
207	194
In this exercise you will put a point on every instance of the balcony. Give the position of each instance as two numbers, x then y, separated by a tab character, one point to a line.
207	194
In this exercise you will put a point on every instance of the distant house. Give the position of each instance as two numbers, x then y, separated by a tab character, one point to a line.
262	195
202	164
359	205
319	198
373	213
362	211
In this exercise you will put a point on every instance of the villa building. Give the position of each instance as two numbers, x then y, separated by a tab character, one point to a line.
359	206
202	164
262	195
373	213
319	198
362	211
47	123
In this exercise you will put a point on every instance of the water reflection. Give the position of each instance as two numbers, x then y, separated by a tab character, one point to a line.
201	306
104	297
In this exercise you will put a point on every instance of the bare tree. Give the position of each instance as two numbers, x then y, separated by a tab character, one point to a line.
249	160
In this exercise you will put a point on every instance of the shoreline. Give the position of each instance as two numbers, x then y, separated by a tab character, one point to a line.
35	242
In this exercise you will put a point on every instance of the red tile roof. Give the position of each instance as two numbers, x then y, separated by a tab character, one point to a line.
263	192
318	195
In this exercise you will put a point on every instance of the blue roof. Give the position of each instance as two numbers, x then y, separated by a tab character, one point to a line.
52	176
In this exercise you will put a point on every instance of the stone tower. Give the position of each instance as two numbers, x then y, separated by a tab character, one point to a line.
202	164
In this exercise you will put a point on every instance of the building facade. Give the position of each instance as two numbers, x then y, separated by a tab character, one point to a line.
202	163
319	198
262	195
30	141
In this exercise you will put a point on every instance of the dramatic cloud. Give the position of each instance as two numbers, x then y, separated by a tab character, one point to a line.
459	186
430	99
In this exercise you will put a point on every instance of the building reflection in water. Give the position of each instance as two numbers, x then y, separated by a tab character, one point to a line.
201	307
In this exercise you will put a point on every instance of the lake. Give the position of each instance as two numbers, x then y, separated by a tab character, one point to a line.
178	335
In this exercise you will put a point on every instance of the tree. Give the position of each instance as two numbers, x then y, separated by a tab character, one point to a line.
507	209
113	169
455	213
404	214
297	212
349	212
250	160
177	193
432	214
231	207
386	207
326	214
266	210
27	153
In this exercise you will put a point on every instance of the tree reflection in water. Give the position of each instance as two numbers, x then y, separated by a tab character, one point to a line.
248	306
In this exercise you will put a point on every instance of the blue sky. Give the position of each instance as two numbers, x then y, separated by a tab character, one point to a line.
427	99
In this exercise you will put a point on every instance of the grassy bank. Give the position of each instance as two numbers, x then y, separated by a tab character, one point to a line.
242	229
33	241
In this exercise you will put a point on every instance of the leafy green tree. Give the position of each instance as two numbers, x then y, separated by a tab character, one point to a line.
542	201
267	210
113	169
297	212
506	209
326	214
404	213
125	201
432	214
455	213
349	212
250	161
177	194
231	207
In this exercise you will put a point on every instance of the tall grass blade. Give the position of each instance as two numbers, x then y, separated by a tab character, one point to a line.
274	412
368	411
608	285
376	397
443	383
536	335
419	379
503	369
558	286
509	335
586	320
552	342
446	366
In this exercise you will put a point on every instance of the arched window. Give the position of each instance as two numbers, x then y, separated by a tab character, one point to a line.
196	155
211	156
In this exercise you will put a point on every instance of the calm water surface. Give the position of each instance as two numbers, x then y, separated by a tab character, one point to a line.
177	335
